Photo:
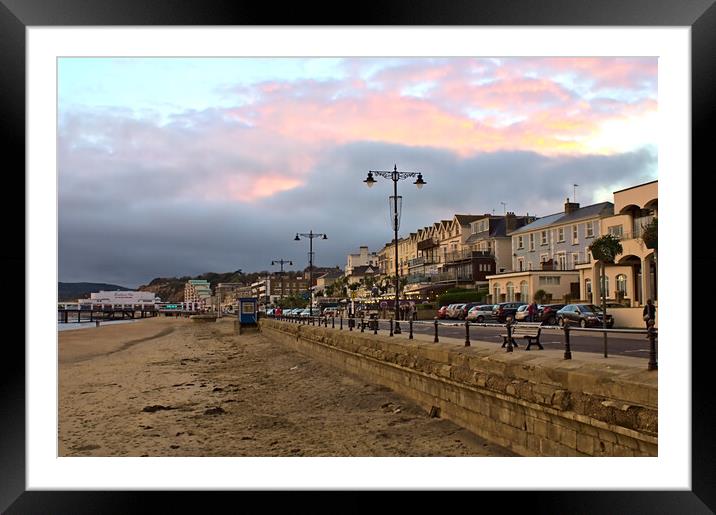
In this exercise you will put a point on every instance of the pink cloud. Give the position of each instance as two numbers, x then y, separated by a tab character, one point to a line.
272	142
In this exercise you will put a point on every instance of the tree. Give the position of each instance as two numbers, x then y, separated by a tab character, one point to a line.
540	296
605	249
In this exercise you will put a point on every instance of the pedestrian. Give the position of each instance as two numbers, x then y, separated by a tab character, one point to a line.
531	311
649	314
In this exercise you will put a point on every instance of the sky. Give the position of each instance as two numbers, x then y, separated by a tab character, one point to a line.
180	166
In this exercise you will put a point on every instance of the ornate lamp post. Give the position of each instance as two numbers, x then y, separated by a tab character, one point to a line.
310	235
395	176
281	262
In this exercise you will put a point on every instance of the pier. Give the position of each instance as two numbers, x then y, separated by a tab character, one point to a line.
73	313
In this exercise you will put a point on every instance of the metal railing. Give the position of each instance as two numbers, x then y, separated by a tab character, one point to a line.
373	324
457	255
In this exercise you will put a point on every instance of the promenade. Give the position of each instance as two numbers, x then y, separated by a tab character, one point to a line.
174	387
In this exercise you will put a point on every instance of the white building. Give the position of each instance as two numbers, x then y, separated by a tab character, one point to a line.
363	258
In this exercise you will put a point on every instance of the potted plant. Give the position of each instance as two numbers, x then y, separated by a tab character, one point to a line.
650	234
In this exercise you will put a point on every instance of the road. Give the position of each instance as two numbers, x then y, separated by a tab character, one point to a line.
552	337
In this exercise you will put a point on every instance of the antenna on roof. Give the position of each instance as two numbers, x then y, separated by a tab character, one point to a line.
504	207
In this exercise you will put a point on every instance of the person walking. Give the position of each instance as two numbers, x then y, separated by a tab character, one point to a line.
531	311
649	314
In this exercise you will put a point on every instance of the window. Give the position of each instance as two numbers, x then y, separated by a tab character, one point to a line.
496	292
520	264
532	241
575	234
562	261
560	234
590	229
616	230
575	260
548	280
520	242
544	237
622	284
543	258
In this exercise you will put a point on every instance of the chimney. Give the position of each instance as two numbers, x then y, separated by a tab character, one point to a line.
570	207
510	221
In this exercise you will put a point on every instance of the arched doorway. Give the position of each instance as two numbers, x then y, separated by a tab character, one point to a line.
510	292
633	284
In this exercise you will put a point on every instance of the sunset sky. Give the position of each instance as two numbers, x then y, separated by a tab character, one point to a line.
179	166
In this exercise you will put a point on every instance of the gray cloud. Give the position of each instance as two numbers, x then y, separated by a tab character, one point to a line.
125	218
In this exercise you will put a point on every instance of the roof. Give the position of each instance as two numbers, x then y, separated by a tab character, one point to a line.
593	211
466	219
637	186
333	274
361	270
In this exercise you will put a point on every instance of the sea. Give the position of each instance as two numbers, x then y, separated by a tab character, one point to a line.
90	325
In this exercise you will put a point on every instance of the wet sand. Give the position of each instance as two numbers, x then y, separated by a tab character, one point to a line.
175	387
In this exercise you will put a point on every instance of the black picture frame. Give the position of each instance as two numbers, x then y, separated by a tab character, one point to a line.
17	15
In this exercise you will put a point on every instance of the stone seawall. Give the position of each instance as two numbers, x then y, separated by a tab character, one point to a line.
534	403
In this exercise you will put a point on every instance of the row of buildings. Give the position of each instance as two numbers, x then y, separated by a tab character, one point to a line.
509	256
512	257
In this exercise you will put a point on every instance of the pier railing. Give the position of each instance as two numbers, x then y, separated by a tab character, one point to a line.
376	325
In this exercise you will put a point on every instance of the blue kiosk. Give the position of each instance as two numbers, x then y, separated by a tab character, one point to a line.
247	315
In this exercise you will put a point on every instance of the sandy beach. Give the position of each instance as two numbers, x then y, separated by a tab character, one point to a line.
175	387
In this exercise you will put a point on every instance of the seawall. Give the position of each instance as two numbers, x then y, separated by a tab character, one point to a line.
532	402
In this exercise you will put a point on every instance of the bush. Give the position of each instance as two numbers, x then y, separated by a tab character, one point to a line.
463	296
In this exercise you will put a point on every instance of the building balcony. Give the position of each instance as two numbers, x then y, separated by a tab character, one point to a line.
451	277
428	244
422	261
460	255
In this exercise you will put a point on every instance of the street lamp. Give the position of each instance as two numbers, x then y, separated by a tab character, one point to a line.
395	176
310	235
281	262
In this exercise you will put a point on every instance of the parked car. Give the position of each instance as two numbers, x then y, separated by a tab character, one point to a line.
480	313
270	312
547	313
442	312
454	311
305	313
465	309
586	315
505	310
521	314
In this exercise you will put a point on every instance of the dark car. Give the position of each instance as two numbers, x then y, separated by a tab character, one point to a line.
547	313
505	310
586	315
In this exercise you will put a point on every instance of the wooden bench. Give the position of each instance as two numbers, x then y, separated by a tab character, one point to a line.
529	331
